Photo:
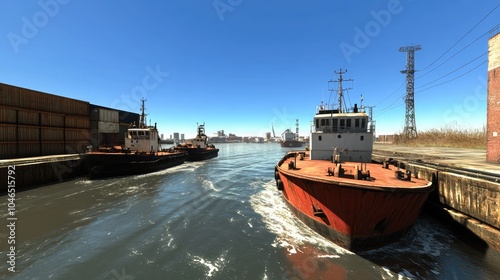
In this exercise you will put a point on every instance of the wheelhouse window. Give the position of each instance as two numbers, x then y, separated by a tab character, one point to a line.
342	123
348	123
356	123
363	123
335	124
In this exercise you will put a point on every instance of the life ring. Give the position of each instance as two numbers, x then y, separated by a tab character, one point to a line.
279	184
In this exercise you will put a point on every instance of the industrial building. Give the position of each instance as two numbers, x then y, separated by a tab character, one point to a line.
34	123
493	106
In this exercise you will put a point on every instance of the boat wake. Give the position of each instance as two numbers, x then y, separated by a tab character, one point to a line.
310	254
291	234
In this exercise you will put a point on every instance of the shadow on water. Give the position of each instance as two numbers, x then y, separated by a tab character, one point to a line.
433	249
53	220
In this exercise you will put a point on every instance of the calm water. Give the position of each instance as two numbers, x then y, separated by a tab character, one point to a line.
219	219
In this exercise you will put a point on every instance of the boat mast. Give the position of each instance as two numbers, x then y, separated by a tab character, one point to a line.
340	90
142	121
297	129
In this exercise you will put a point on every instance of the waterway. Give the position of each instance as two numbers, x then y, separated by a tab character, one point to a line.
218	219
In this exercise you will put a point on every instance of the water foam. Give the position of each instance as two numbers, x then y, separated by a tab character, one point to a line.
212	266
291	232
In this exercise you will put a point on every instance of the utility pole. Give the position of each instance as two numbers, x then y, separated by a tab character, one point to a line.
410	129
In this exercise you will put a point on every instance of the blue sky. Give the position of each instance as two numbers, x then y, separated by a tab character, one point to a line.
242	65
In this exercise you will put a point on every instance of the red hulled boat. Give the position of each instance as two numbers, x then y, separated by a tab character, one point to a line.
335	189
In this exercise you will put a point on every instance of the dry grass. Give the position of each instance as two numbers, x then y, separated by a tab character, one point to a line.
446	137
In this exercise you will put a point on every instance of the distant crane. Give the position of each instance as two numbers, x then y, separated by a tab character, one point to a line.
410	129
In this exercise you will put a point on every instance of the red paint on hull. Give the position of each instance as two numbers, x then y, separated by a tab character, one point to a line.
355	214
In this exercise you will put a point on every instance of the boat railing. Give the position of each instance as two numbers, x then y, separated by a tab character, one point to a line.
334	109
329	129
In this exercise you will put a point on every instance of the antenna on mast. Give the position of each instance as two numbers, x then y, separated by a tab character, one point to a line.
142	121
340	90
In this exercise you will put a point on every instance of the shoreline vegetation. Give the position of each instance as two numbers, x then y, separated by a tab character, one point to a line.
470	138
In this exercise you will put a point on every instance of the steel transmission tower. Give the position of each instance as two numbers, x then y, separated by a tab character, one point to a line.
410	129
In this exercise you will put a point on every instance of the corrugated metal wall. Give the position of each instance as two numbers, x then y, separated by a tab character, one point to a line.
108	126
34	123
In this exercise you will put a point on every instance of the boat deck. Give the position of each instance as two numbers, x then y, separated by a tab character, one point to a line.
133	153
325	171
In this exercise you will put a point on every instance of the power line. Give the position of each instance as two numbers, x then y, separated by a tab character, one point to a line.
462	37
455	77
452	56
390	107
390	94
453	70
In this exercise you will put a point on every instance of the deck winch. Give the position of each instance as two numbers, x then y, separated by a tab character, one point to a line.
350	171
406	175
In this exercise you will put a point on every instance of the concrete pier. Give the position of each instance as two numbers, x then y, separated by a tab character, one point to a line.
36	171
467	188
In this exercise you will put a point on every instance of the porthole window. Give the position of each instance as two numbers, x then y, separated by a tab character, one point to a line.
361	138
339	136
319	137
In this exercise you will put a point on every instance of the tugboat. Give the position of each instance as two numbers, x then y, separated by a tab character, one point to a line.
197	148
142	154
290	139
336	190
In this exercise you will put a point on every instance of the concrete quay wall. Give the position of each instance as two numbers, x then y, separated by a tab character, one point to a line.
472	202
34	172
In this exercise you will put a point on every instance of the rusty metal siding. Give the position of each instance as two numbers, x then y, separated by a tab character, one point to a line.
52	149
34	123
28	117
108	115
52	134
77	122
39	101
7	133
8	150
73	134
55	120
108	127
7	115
9	96
28	150
28	133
